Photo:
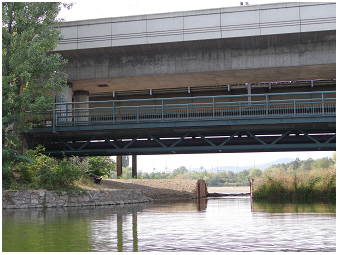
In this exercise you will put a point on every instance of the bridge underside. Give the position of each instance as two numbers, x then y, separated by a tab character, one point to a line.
253	59
189	138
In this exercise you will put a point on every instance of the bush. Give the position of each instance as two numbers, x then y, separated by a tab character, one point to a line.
44	172
102	166
314	184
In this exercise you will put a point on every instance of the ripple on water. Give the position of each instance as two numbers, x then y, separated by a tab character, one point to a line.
224	224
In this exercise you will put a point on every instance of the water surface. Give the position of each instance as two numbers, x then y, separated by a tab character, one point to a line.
223	224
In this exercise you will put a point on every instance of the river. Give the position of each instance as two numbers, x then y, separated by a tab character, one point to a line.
221	224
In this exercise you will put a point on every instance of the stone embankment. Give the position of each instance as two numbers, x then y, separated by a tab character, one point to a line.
45	198
114	192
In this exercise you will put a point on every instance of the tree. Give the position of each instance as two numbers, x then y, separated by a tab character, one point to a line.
31	74
321	163
295	164
102	166
243	177
306	164
255	172
180	170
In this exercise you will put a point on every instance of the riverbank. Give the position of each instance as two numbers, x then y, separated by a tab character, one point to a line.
161	189
306	185
110	192
16	199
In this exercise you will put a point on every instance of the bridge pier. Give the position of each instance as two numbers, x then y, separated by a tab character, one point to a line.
119	166
134	165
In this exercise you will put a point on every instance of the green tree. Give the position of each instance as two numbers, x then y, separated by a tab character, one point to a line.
180	170
321	163
243	177
255	172
295	164
306	165
31	74
102	166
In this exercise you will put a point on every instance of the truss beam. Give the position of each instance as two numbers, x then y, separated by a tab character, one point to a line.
191	142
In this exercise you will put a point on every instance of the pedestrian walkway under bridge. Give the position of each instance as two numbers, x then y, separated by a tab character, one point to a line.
213	124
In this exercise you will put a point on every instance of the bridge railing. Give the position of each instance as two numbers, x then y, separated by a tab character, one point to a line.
304	104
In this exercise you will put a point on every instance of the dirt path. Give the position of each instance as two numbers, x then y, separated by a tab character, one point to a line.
162	189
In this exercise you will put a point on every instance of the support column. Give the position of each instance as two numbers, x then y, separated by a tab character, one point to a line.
63	110
81	112
134	166
249	92
119	166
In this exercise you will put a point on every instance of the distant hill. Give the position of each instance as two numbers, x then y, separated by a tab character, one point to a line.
241	168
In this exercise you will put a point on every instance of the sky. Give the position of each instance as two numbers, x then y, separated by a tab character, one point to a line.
84	9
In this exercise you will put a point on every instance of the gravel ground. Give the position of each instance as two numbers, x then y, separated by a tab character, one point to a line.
162	189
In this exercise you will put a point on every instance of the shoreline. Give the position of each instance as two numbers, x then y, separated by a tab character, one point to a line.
115	191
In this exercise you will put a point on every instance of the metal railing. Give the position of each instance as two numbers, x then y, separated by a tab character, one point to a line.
279	105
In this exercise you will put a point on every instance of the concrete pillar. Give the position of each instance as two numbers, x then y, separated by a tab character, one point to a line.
81	112
134	166
249	92
119	166
64	111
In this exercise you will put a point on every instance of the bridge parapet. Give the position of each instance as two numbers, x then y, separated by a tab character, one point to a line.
237	107
241	21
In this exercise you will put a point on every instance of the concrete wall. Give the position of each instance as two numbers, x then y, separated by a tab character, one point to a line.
225	63
44	198
241	21
235	45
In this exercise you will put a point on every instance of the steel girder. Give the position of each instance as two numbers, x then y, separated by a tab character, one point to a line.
108	144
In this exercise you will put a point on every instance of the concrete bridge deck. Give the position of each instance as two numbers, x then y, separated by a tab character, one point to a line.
235	45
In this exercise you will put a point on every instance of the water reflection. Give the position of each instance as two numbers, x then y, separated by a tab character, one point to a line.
223	224
322	207
118	230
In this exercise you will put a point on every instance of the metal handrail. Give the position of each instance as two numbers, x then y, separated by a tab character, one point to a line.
193	111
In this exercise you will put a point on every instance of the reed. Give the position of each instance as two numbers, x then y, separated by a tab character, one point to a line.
307	185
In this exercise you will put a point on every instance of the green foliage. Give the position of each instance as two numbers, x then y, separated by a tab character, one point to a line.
321	163
10	157
102	166
43	172
255	172
30	73
291	180
313	184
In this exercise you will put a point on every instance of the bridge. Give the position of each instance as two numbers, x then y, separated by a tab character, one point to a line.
239	79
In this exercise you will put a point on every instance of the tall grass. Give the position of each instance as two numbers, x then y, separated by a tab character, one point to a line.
306	185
